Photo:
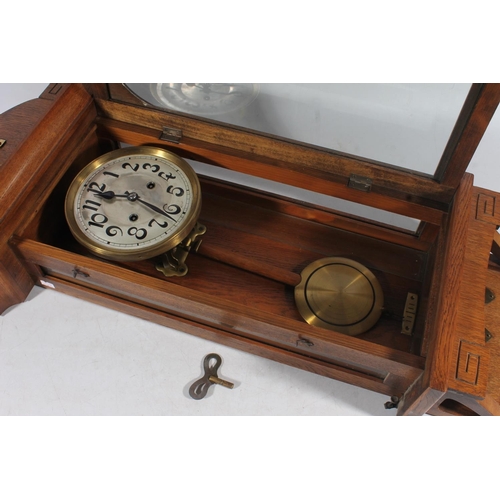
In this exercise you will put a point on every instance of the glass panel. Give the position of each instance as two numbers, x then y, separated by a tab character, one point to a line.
349	208
484	163
405	125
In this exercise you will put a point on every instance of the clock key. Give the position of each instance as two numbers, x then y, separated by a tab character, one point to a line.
199	389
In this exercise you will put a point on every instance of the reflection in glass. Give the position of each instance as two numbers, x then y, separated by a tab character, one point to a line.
405	125
204	99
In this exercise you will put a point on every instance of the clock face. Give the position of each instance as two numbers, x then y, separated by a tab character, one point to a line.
133	203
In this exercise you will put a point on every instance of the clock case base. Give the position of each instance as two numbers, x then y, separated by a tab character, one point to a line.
239	289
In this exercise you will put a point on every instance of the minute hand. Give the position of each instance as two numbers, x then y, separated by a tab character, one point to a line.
156	209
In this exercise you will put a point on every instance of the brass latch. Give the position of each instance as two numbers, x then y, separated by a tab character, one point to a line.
2	142
360	183
171	135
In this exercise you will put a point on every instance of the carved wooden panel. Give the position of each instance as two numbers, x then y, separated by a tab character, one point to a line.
469	363
488	208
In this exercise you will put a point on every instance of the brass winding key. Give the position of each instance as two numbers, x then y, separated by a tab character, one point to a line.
200	388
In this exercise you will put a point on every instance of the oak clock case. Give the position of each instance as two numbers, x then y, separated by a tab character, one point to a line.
261	250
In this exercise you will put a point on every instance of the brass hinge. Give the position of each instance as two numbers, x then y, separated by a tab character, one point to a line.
304	343
360	183
79	272
171	135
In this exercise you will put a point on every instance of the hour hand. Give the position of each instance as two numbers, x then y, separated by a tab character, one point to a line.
108	195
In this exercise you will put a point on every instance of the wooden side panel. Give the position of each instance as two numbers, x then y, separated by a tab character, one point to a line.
43	138
451	271
17	124
459	375
469	374
442	316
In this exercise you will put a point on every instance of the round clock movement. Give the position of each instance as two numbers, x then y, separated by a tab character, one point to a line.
136	203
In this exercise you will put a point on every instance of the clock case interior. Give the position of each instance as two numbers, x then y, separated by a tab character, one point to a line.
239	290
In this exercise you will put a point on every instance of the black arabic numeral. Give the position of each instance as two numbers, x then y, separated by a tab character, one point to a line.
125	165
113	230
154	168
140	234
172	209
91	205
161	224
166	176
175	190
95	188
98	220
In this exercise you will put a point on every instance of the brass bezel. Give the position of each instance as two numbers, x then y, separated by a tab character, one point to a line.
359	324
171	241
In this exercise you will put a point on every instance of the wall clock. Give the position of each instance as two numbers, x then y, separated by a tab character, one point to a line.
136	203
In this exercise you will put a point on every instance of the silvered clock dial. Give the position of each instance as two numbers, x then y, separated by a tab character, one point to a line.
135	203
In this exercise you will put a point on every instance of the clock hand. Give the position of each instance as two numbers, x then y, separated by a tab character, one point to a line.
156	209
108	195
